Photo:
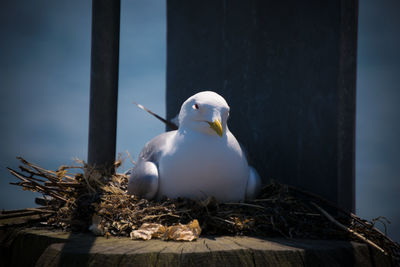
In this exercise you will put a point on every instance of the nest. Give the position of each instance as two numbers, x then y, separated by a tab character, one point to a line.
78	198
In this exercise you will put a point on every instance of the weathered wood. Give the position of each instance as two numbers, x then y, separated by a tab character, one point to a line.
16	213
22	247
22	219
54	248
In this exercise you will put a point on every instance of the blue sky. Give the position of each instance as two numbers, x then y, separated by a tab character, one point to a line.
44	91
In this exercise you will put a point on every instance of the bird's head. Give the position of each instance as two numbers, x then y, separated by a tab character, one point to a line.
205	112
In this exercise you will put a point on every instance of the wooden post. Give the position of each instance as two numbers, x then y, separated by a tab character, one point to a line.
104	84
287	69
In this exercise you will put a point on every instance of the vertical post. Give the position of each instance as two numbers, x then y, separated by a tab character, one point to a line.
287	69
104	84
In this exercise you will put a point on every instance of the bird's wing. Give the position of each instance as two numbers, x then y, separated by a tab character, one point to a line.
143	180
153	149
144	177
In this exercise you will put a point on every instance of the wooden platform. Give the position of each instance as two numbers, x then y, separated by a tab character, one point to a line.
30	247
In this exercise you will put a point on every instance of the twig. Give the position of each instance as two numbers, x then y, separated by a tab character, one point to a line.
147	217
64	184
12	211
130	158
329	217
223	220
42	172
38	186
265	200
324	200
355	217
20	213
348	213
41	210
32	173
45	202
305	213
246	204
16	174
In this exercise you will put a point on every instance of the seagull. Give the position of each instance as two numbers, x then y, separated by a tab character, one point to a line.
202	158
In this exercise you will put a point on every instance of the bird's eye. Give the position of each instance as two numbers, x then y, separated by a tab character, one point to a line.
195	106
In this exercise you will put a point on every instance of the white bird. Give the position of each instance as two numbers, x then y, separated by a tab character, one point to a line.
200	159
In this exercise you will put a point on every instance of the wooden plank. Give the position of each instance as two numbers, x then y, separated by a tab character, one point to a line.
52	248
22	220
20	213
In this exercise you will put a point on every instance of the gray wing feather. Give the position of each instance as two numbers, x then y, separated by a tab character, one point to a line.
143	181
144	178
152	150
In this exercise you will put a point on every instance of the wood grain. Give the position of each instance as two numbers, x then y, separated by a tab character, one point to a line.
57	248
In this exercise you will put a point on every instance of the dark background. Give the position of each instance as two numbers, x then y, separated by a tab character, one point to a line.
44	92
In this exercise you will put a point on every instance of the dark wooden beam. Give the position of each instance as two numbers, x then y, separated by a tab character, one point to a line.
104	83
287	69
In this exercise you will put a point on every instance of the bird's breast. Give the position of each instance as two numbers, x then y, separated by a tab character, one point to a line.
201	166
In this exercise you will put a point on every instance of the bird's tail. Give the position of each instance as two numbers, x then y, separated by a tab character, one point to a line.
170	124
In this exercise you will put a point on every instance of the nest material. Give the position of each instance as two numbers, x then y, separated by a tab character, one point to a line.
87	199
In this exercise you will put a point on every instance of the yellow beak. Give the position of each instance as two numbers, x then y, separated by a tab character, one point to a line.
217	127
